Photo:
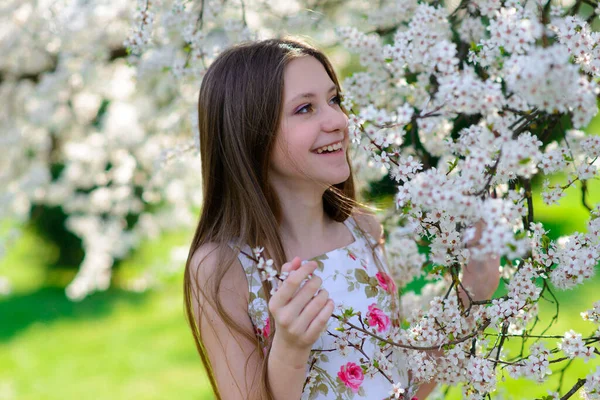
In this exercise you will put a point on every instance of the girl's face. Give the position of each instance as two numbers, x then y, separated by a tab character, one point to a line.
311	119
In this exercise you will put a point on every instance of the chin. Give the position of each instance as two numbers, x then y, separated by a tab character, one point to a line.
338	178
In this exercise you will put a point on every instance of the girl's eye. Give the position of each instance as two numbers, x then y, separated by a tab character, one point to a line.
304	109
337	99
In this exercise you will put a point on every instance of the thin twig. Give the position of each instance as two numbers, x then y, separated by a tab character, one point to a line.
574	389
480	329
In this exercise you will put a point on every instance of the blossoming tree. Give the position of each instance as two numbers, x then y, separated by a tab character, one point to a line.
80	133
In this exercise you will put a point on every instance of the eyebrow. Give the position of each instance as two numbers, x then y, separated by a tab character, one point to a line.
309	95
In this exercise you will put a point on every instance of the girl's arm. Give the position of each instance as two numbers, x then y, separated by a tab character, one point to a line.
300	317
235	361
481	277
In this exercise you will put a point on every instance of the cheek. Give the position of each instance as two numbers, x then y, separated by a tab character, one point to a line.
282	156
296	142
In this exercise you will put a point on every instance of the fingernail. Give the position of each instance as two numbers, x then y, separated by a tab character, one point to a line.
303	262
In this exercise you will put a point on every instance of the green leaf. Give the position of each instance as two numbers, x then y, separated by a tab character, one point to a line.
452	165
323	388
525	161
545	241
437	269
567	158
370	291
319	260
255	282
361	276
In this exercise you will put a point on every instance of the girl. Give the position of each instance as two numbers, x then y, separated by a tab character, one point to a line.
276	174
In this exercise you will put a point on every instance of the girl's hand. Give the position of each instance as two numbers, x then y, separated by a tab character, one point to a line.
482	277
300	316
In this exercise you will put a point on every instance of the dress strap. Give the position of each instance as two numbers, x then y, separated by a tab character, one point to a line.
351	225
357	232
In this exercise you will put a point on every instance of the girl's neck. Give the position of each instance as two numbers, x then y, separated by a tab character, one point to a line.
305	229
303	221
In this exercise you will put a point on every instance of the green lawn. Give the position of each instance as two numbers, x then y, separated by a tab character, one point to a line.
113	345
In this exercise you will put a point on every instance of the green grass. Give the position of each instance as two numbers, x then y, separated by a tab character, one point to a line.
113	345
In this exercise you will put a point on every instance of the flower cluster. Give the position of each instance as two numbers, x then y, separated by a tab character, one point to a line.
574	346
580	41
140	36
592	385
536	366
550	86
84	135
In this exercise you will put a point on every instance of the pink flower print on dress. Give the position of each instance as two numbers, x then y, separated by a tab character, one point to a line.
364	263
267	329
386	282
377	318
352	255
352	376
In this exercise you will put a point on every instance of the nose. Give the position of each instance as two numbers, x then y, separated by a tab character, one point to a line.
334	119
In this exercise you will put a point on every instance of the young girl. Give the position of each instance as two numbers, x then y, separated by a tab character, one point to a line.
276	175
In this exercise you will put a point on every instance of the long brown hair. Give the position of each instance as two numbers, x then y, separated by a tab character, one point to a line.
239	109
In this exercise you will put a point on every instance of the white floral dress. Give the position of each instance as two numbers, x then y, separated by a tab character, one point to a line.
345	364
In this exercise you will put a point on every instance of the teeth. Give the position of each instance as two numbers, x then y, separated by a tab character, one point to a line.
335	146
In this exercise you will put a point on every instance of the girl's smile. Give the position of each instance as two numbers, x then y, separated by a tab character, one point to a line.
332	148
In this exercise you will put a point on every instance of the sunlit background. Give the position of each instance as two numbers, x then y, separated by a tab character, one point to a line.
131	340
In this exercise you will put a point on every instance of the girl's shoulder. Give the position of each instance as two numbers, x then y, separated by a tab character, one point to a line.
209	261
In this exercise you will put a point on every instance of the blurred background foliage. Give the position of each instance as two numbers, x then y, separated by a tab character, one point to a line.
132	341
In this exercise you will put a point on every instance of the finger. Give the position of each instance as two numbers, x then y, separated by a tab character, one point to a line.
305	294
291	265
289	287
287	268
319	323
313	306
